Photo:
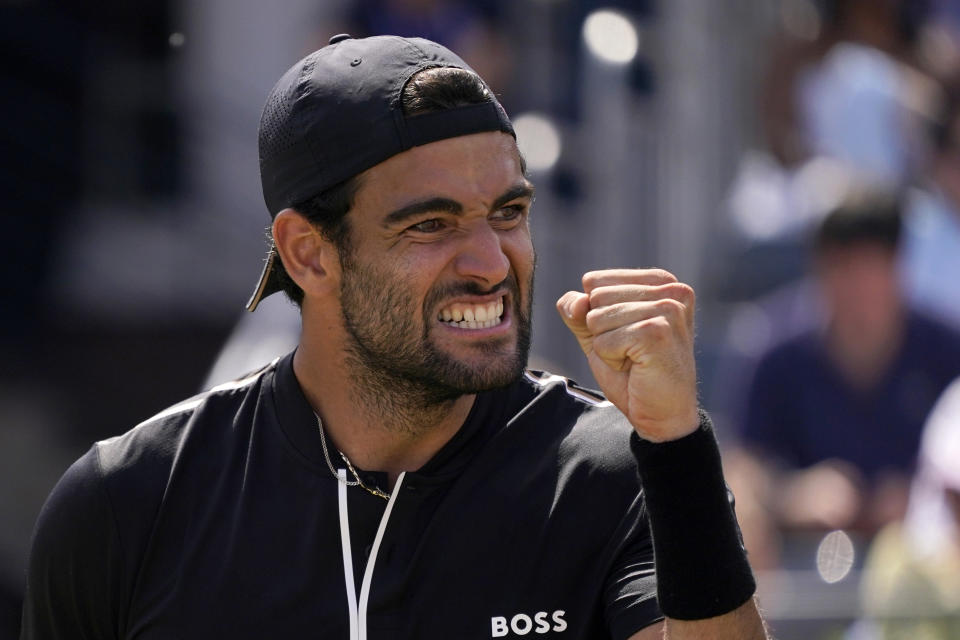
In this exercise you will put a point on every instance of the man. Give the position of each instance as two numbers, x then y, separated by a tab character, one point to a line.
399	475
931	243
839	409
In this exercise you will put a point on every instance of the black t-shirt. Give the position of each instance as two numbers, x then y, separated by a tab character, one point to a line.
220	518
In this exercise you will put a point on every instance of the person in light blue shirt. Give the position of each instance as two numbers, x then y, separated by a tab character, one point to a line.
930	262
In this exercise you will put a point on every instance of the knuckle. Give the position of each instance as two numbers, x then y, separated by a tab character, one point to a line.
684	293
663	275
595	296
594	319
670	307
655	329
590	279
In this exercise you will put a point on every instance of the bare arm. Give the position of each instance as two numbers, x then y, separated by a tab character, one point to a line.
741	623
635	327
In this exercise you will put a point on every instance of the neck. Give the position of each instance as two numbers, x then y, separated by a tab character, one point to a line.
379	423
864	361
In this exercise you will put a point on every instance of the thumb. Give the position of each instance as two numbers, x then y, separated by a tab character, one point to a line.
573	307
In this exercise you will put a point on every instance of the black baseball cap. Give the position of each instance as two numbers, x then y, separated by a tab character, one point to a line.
337	112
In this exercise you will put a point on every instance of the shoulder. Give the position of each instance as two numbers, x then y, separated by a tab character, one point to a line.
127	475
554	387
76	503
545	394
795	347
931	343
98	519
119	483
580	422
927	326
75	559
794	356
154	443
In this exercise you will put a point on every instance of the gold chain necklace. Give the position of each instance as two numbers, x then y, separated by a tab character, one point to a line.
356	482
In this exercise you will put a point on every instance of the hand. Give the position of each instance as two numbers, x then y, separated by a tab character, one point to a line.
824	496
636	328
887	501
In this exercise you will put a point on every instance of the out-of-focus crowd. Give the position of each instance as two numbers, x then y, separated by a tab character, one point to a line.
829	314
840	395
837	384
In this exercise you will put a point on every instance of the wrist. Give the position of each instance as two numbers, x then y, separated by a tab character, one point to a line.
702	569
661	431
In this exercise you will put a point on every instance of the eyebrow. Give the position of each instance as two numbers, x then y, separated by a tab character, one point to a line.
521	190
447	205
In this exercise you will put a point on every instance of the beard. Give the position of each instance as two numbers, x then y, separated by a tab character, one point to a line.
396	358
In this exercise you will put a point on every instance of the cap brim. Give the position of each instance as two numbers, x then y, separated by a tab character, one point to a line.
268	284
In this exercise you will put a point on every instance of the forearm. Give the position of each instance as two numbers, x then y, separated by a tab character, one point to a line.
743	623
704	581
636	329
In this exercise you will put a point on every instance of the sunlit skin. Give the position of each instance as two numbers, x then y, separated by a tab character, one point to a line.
443	217
445	226
635	327
457	236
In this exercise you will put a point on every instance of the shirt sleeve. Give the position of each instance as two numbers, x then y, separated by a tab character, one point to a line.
75	570
630	595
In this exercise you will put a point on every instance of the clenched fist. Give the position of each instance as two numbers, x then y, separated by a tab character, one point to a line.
636	328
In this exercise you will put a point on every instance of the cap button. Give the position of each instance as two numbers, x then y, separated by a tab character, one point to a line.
340	37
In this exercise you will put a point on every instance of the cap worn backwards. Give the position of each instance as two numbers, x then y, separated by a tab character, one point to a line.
338	112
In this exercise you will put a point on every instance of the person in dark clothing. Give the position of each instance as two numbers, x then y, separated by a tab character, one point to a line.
836	413
400	474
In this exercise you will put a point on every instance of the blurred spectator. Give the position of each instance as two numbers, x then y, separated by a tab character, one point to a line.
911	584
860	103
800	44
842	83
938	46
931	248
834	416
842	101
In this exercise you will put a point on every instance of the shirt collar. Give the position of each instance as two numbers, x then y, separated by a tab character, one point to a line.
298	421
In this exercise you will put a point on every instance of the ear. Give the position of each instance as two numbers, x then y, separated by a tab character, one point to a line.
310	259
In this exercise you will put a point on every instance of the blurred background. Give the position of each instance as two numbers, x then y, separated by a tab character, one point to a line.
797	161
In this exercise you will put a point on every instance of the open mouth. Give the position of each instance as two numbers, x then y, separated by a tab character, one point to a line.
473	316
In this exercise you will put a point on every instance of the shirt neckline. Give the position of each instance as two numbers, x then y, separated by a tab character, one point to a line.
298	421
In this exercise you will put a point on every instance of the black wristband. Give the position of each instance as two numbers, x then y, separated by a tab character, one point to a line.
702	568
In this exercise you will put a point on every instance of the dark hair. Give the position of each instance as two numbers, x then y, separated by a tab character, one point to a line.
442	88
869	215
328	212
428	91
909	16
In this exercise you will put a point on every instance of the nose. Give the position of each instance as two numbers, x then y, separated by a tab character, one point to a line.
481	257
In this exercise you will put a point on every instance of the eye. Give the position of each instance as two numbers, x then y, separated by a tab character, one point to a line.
428	226
509	213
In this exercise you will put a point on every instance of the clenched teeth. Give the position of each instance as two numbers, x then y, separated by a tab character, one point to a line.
473	316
